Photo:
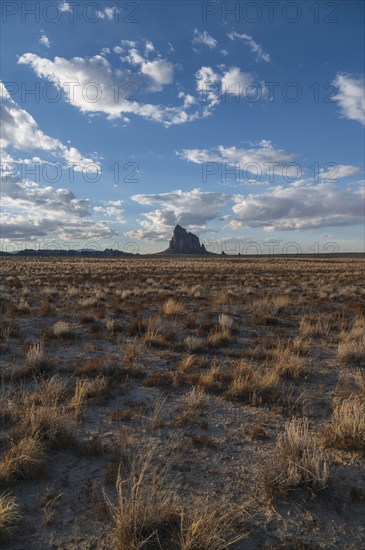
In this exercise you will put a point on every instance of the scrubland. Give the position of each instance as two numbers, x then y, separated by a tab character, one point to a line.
182	403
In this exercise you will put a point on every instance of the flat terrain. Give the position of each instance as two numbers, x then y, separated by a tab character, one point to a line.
182	404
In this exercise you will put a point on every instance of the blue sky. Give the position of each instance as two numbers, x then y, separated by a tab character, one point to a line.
243	127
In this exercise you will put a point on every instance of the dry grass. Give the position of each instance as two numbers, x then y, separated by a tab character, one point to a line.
62	329
35	356
25	459
9	514
149	514
298	461
346	429
203	361
171	308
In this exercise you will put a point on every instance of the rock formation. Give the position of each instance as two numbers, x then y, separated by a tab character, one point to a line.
183	242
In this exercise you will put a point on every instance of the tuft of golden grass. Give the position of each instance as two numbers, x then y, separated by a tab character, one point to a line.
149	514
346	429
62	329
297	461
35	356
287	364
171	308
9	514
24	459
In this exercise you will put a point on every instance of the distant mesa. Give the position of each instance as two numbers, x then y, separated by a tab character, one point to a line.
183	242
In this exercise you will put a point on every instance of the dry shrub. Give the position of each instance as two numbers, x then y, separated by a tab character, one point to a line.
346	429
43	413
62	329
287	363
86	389
247	379
160	332
149	514
24	459
218	338
35	356
225	322
208	525
9	514
193	343
351	351
298	461
145	515
171	308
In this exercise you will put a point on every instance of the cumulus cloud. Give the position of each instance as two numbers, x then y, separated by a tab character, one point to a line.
92	86
192	209
21	131
109	13
350	97
113	210
255	48
236	82
263	159
305	207
44	40
30	195
30	227
65	7
33	211
204	38
213	85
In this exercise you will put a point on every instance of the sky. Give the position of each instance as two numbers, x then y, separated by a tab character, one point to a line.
241	121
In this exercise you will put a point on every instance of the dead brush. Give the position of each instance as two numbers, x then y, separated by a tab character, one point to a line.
24	459
160	333
9	515
351	351
287	364
85	390
193	344
297	462
346	428
145	514
247	380
172	308
191	362
149	514
35	356
62	329
44	413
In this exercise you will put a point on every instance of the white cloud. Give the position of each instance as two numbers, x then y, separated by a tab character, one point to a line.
350	97
110	13
21	131
91	85
298	208
236	82
256	160
193	208
30	195
113	210
255	48
149	47
33	211
44	40
338	171
64	7
204	38
160	71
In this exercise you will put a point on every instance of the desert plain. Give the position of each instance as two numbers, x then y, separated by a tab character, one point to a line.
182	403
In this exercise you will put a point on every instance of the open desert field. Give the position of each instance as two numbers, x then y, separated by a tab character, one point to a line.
182	404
